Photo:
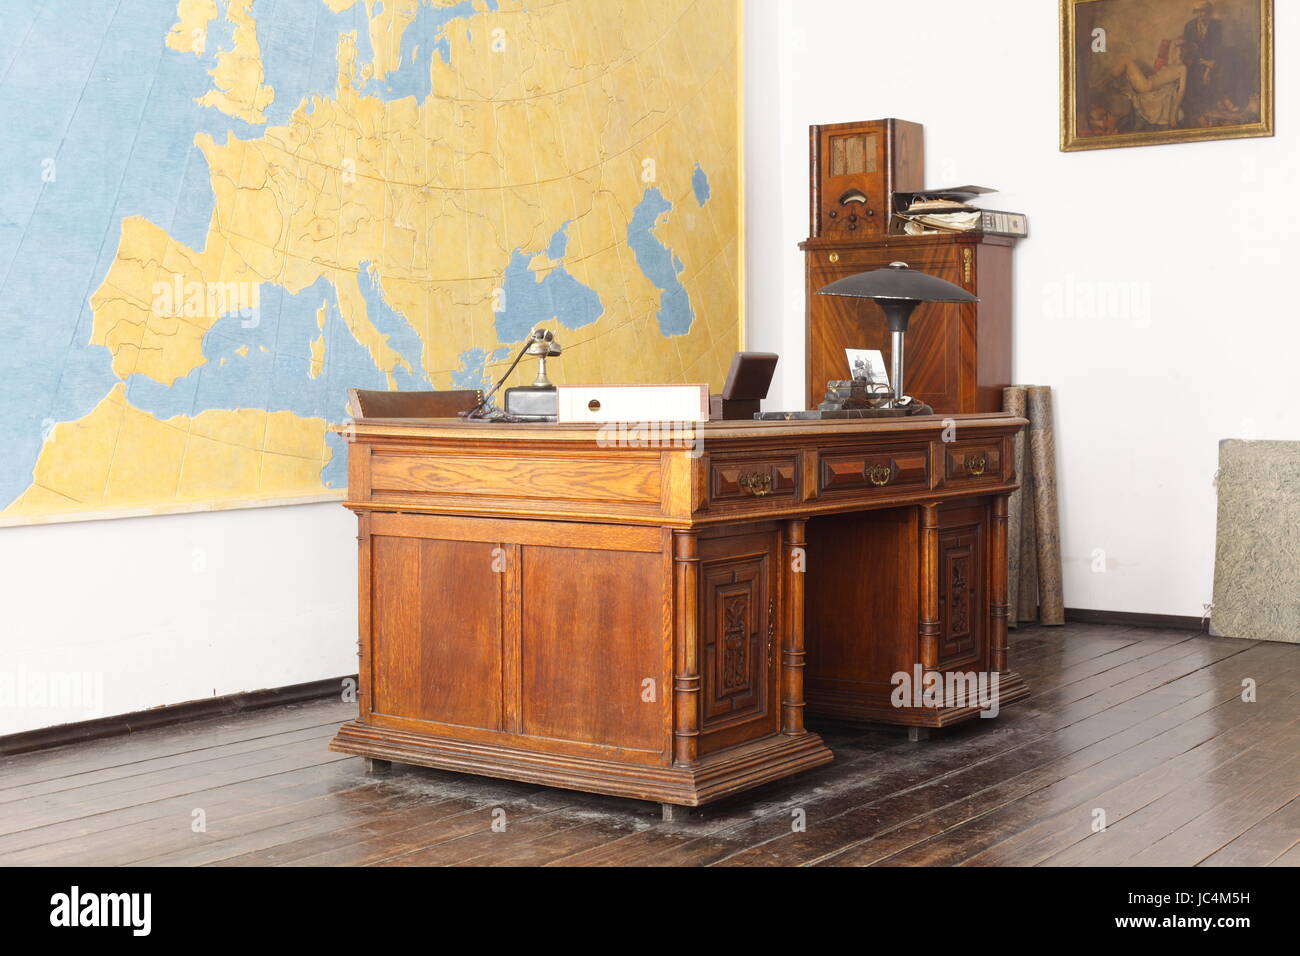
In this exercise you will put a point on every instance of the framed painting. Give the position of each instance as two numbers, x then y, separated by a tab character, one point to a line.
1142	72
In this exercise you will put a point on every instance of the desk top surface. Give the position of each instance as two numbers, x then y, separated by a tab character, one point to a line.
550	431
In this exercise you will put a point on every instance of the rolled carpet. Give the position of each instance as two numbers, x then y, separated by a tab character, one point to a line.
1041	446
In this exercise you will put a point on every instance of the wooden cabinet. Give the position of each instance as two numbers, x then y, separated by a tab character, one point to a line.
540	605
958	355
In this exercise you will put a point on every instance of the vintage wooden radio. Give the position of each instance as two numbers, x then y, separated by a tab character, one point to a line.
856	169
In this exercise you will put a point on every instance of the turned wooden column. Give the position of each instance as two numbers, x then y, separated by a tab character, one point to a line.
792	652
929	591
686	653
999	606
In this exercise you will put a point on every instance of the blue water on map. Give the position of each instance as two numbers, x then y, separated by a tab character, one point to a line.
659	263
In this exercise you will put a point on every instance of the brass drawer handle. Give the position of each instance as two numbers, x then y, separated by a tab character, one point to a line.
756	483
975	465
879	475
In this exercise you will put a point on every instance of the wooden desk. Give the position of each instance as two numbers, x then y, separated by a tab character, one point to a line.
548	603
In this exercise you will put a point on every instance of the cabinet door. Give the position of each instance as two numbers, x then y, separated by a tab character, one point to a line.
963	607
435	631
738	638
591	640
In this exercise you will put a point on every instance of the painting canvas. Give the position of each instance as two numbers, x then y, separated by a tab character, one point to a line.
239	209
1141	72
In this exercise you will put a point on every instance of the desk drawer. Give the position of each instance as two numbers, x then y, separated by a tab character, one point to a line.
906	468
741	479
970	461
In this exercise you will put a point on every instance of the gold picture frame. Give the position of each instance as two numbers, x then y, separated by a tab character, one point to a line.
1139	90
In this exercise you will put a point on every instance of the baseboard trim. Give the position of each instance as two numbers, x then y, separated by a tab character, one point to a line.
103	727
1132	619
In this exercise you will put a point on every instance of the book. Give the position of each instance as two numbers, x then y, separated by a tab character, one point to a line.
995	222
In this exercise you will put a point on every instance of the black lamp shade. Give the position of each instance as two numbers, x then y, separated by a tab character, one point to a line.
897	281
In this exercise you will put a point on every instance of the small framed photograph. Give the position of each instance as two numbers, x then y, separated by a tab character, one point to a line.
868	366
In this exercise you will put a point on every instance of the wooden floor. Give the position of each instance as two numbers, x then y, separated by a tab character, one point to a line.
1145	726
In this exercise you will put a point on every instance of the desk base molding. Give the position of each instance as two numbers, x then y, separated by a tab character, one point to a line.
713	777
847	707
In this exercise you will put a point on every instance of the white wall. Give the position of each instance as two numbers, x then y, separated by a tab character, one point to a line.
111	617
1198	236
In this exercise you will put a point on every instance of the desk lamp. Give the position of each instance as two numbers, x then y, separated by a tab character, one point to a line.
898	290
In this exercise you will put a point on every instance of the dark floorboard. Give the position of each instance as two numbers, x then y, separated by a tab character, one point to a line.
1142	731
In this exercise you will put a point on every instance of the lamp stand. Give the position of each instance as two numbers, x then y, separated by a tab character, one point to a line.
897	313
542	381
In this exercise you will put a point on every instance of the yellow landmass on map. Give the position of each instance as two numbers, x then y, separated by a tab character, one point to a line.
387	26
190	33
238	74
120	457
318	343
545	113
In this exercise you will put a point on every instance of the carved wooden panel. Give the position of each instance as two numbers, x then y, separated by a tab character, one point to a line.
738	636
735	648
961	595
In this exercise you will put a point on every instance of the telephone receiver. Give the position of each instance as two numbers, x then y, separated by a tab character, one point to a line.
542	342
